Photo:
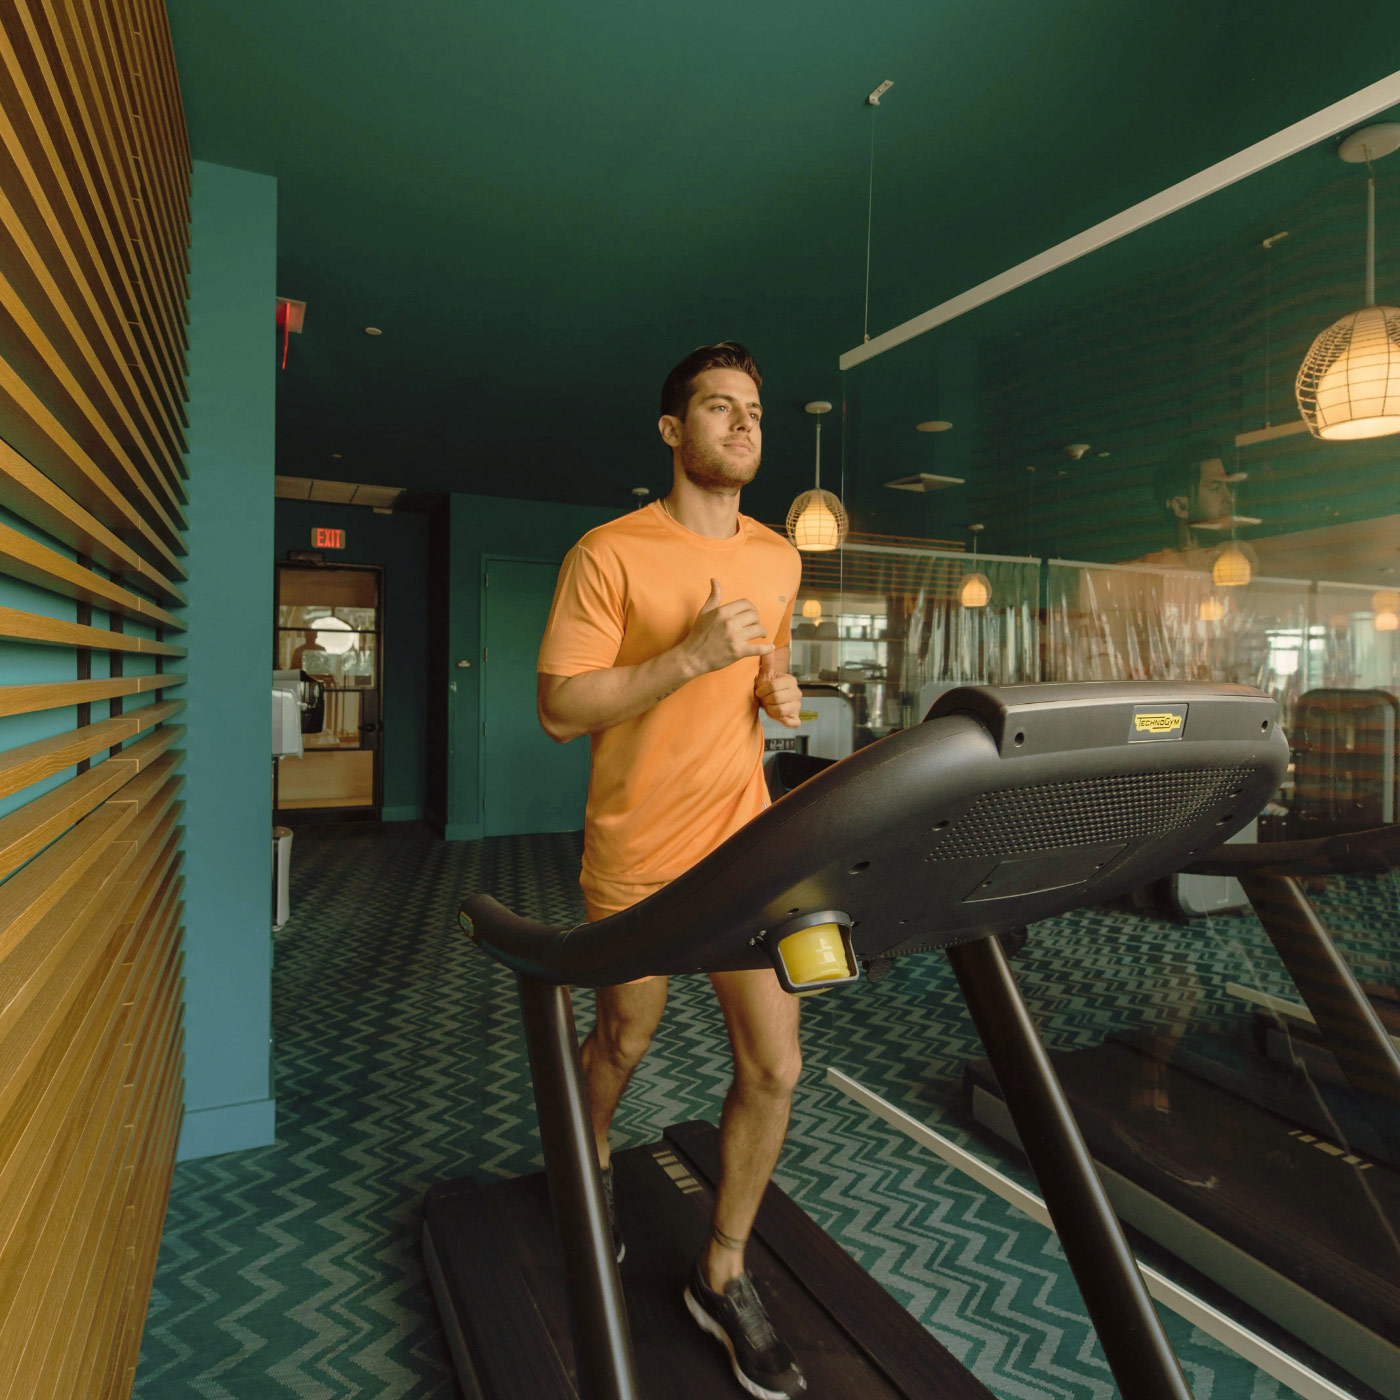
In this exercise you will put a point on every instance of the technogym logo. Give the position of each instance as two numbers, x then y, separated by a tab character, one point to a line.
1157	722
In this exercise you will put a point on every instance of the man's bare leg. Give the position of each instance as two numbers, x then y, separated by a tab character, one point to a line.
762	1022
627	1018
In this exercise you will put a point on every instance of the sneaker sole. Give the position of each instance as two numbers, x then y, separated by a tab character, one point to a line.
708	1324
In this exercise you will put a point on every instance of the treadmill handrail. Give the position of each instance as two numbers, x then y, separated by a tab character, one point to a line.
1373	851
944	832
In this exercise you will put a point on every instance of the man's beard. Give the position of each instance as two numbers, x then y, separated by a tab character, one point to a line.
710	470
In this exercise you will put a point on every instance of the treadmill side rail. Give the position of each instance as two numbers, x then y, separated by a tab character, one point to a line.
1129	1329
597	1315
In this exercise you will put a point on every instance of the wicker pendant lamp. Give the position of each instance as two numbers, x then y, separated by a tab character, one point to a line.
975	591
816	520
1349	383
1232	568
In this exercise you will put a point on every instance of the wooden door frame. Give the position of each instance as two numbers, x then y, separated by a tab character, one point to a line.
482	663
374	812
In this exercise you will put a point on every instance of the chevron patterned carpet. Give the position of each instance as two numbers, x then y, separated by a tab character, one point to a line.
294	1270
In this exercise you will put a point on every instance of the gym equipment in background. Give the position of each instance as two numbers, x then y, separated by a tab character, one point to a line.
827	729
1344	762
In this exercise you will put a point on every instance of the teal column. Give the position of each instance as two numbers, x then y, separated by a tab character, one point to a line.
229	1101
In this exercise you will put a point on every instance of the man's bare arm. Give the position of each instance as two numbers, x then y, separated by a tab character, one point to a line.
571	706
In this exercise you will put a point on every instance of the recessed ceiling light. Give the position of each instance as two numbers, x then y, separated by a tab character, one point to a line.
335	456
934	425
373	330
925	481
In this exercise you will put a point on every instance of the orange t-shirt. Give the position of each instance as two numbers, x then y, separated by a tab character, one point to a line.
669	785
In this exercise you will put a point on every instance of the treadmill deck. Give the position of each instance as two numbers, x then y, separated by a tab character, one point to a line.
500	1285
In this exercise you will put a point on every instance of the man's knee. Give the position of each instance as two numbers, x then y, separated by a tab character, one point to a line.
773	1075
627	1019
623	1032
623	1043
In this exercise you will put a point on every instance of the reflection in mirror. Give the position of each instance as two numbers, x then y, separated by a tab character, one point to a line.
1127	430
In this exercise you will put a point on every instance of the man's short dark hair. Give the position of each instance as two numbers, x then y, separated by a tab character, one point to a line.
1179	478
680	383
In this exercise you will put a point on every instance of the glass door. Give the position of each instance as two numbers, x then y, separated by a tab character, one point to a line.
329	625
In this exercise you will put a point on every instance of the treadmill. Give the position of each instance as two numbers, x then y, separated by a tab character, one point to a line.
1005	806
1282	1188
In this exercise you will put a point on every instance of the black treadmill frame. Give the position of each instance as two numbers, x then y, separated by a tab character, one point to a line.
1130	1331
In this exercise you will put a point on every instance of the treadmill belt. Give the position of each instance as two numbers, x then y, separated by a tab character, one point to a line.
1323	1217
1331	1110
496	1248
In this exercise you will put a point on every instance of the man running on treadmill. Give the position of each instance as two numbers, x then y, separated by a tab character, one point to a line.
668	633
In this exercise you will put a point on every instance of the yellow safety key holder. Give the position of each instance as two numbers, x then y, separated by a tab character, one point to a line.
813	952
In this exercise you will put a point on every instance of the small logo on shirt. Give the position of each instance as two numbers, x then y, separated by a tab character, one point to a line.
782	597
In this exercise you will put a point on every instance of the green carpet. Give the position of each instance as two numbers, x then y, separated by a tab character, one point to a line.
294	1270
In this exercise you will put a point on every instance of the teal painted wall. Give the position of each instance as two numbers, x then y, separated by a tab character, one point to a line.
399	545
481	525
229	1100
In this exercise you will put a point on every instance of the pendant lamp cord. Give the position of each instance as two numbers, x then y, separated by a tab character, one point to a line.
1370	235
819	454
1268	327
869	222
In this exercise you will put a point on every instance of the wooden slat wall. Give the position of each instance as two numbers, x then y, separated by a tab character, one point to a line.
94	280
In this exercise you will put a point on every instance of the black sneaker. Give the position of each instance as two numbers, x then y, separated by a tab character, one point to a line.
762	1364
619	1244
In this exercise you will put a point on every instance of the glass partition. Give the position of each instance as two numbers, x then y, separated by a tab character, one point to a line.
889	625
1130	420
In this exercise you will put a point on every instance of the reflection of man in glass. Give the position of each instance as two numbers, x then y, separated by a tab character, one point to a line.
1193	496
310	643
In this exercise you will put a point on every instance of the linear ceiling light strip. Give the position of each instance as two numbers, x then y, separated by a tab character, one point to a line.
1359	107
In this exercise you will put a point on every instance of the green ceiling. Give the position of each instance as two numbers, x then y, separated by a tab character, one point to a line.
544	205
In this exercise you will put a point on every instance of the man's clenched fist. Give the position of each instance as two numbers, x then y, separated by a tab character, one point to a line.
725	633
778	694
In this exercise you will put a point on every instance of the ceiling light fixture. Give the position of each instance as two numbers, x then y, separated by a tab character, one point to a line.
975	591
373	330
1349	383
816	521
925	481
1232	568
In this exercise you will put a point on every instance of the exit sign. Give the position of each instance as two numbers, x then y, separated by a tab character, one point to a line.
322	538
